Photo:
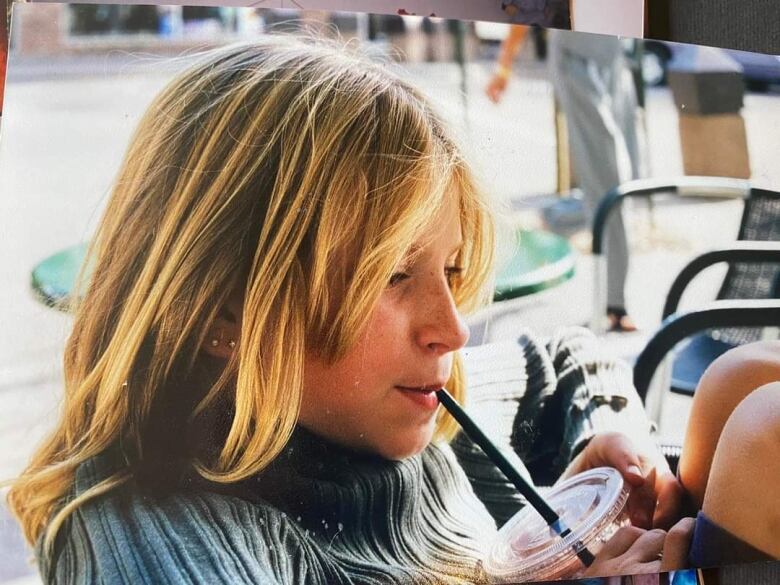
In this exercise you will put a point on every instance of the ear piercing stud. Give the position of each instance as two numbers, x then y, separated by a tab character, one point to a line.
214	342
232	344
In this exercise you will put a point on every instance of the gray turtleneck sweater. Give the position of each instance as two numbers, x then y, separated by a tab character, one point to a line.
322	514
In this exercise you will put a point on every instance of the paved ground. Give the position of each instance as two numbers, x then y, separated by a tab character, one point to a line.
63	136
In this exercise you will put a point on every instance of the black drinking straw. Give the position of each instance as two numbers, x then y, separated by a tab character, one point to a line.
526	489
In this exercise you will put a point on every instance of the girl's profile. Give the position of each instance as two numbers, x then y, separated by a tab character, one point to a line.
276	290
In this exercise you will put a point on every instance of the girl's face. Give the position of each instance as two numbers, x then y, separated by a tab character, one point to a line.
380	396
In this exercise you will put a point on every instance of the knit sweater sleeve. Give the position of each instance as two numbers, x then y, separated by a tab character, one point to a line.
594	394
541	403
181	539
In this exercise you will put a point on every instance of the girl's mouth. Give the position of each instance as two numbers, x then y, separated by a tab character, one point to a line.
424	396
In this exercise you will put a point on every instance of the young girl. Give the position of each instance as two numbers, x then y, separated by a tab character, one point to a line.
275	294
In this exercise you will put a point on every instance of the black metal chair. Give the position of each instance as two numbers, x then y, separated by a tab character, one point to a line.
753	273
680	326
683	325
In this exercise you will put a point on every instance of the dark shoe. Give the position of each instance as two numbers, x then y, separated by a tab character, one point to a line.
619	320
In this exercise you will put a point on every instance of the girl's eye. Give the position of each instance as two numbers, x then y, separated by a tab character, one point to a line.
397	278
453	274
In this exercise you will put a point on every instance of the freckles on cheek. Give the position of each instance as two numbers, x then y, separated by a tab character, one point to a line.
385	328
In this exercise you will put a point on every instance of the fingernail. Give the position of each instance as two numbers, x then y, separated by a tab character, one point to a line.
634	470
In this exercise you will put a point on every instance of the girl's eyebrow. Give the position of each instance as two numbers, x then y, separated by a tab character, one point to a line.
414	249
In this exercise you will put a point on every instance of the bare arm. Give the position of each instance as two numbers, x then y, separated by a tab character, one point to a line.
510	47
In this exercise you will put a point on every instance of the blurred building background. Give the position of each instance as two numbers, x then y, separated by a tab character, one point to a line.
61	29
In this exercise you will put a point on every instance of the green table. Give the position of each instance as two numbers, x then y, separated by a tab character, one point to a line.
54	279
541	260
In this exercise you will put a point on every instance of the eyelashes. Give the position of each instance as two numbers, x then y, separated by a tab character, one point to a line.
397	278
452	273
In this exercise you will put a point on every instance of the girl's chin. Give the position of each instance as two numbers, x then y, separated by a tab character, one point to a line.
396	451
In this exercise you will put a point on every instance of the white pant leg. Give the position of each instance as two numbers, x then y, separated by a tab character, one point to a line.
587	91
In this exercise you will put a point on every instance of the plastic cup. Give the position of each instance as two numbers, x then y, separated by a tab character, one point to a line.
591	504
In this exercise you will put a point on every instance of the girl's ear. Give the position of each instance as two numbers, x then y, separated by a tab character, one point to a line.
224	333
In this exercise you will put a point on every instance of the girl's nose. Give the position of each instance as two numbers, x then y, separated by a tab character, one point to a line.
442	328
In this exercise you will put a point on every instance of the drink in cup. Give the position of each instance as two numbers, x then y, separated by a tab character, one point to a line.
591	504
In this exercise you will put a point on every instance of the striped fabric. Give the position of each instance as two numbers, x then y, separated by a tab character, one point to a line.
543	403
321	514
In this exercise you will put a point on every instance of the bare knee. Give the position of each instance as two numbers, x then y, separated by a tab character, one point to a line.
744	479
740	371
729	382
755	421
726	385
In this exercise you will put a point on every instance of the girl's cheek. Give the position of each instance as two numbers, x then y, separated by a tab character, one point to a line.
389	313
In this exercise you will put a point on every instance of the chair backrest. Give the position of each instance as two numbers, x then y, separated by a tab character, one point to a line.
760	222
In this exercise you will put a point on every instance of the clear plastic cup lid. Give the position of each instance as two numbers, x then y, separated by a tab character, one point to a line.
526	548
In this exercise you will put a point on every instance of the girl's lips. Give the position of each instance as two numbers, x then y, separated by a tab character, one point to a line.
425	396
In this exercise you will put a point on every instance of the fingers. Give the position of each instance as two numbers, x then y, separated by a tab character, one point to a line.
495	88
656	495
642	502
633	550
652	567
630	551
670	501
618	451
640	510
677	544
644	555
649	546
623	539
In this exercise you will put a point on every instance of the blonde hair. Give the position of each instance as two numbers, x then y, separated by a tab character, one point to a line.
288	169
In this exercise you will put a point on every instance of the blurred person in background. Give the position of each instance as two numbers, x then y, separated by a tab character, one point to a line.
546	13
595	89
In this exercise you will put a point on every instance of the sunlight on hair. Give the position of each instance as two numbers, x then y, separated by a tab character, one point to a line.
294	170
